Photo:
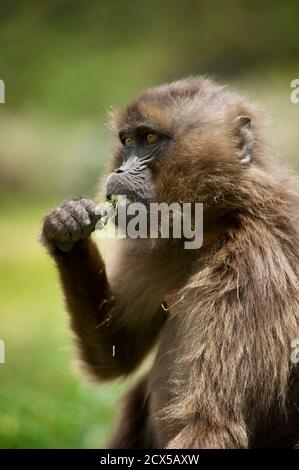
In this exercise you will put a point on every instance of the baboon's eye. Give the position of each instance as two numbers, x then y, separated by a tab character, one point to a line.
151	138
129	142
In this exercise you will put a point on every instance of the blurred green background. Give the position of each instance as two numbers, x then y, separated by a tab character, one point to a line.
64	63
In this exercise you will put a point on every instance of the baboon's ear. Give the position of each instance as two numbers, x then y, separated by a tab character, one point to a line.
243	131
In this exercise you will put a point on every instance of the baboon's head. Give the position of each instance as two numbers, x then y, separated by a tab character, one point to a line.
187	141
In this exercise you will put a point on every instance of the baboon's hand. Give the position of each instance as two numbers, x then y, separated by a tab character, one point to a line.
69	222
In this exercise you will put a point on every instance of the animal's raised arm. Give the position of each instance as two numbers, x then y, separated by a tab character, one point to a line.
109	346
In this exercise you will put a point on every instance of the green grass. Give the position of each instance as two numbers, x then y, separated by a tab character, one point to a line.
44	403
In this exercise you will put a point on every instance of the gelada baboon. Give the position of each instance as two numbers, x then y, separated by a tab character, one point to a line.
222	317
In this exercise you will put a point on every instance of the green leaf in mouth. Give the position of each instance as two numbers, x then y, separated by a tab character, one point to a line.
112	200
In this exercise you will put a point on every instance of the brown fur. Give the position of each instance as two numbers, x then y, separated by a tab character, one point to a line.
222	376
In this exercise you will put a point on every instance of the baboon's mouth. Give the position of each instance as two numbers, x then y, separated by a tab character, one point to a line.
114	200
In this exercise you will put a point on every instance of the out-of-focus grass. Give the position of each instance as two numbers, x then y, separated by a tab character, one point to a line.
43	402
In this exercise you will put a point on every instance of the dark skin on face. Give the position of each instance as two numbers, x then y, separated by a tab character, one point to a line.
222	375
142	145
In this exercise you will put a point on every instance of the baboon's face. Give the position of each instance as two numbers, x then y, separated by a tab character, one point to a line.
143	145
176	142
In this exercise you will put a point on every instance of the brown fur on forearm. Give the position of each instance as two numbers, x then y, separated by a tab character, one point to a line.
108	347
